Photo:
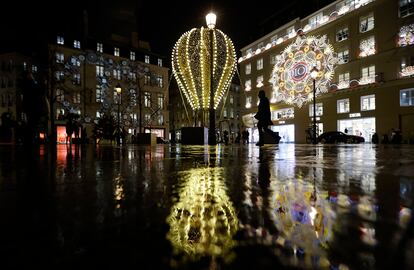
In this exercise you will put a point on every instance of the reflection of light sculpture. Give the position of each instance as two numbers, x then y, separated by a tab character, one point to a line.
203	221
302	218
291	74
191	61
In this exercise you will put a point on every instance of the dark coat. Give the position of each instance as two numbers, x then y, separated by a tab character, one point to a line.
263	113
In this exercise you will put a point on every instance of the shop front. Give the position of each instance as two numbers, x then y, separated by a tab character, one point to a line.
363	127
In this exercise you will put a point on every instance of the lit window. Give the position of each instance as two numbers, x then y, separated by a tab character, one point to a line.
259	81
287	113
225	113
248	69
248	85
147	59
342	105
76	44
60	40
132	76
76	79
99	71
60	58
407	66
98	114
231	99
160	82
291	32
406	35
316	20
75	61
159	62
147	99
259	64
133	97
406	8
368	103
319	109
342	34
116	51
34	68
366	23
98	94
60	95
248	102
132	56
99	47
367	75
273	40
117	74
407	97
76	98
147	118
343	57
59	75
367	46
161	101
160	119
273	59
231	112
343	80
147	79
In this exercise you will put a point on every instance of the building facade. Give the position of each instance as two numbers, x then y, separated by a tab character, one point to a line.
127	83
372	90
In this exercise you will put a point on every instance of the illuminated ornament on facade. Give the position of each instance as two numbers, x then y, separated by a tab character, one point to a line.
291	78
367	47
191	66
407	71
406	35
203	221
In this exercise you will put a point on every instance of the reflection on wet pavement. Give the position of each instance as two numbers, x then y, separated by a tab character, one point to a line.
199	207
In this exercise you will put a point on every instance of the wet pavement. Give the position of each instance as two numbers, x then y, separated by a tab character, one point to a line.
198	207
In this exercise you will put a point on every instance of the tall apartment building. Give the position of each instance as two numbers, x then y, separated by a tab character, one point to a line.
12	66
84	81
373	85
228	114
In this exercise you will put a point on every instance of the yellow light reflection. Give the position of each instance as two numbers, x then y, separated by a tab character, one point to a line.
203	221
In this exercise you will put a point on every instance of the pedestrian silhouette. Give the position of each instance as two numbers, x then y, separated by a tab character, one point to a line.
374	138
263	115
245	136
226	137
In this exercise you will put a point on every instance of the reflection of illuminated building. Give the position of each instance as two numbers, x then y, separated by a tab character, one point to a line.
203	221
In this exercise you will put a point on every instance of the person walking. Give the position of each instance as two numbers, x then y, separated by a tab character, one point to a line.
263	115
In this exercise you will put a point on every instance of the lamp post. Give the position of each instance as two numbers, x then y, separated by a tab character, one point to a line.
118	90
314	75
211	23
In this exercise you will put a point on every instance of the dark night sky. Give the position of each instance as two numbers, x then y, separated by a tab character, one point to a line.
159	22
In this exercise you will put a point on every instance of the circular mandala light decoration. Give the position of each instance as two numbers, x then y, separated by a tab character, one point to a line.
291	78
191	60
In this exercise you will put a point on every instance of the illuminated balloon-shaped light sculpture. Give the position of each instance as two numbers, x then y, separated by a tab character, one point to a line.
203	63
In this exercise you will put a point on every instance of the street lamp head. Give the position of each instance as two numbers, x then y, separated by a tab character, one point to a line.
211	20
118	88
314	72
